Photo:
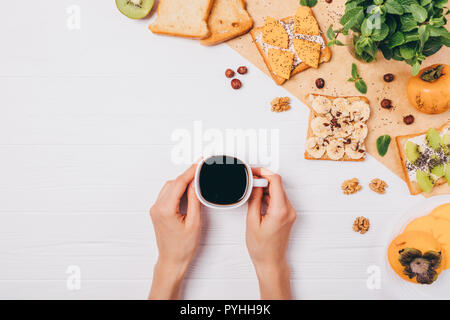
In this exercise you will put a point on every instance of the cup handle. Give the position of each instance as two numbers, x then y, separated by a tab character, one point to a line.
260	183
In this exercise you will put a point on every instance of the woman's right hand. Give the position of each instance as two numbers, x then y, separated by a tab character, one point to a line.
267	235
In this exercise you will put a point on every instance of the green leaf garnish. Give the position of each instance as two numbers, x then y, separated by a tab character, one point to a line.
383	144
360	85
308	3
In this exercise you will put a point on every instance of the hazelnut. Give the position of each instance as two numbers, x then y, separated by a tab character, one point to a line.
408	119
388	77
328	1
242	70
320	83
386	103
236	84
229	73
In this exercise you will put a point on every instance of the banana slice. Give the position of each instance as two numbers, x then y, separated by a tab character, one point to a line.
340	108
361	131
359	111
321	127
321	105
314	147
335	150
355	150
346	129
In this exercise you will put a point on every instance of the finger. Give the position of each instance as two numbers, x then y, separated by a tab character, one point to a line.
256	172
275	188
194	208
182	182
254	207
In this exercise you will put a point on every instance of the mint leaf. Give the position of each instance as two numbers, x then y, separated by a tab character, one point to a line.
424	34
407	51
381	33
393	7
419	13
397	39
438	32
361	86
308	3
355	73
352	18
330	33
383	144
416	68
440	3
366	28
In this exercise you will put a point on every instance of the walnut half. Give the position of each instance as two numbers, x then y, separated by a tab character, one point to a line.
280	104
361	225
351	186
378	185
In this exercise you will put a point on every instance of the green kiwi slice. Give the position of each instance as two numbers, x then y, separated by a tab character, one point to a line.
424	180
135	9
412	151
447	173
433	139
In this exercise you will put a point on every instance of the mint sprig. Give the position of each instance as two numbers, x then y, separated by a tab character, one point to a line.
403	30
359	82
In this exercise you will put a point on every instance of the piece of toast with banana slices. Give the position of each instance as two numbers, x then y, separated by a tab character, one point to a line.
337	128
425	159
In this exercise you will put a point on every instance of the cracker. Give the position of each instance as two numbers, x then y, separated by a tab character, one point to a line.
308	52
275	34
281	62
305	22
256	33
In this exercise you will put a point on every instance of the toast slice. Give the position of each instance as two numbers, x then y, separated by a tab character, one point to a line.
183	18
401	141
299	66
228	19
349	139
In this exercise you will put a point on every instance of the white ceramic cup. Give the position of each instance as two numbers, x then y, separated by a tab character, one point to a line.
251	183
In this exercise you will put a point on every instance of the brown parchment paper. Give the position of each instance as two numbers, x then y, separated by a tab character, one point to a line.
338	70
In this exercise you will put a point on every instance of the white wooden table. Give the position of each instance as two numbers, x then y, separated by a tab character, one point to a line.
87	117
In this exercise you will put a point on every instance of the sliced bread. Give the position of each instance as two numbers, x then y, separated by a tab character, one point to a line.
228	19
183	18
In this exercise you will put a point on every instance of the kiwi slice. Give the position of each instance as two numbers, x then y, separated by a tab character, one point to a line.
438	170
446	143
447	173
412	151
425	182
135	9
433	139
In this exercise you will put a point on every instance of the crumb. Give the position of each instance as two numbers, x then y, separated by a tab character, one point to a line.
351	186
378	185
280	104
361	225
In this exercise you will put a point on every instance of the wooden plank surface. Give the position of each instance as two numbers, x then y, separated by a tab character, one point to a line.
86	125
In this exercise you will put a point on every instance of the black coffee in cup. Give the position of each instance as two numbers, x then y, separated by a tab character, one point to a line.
223	180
